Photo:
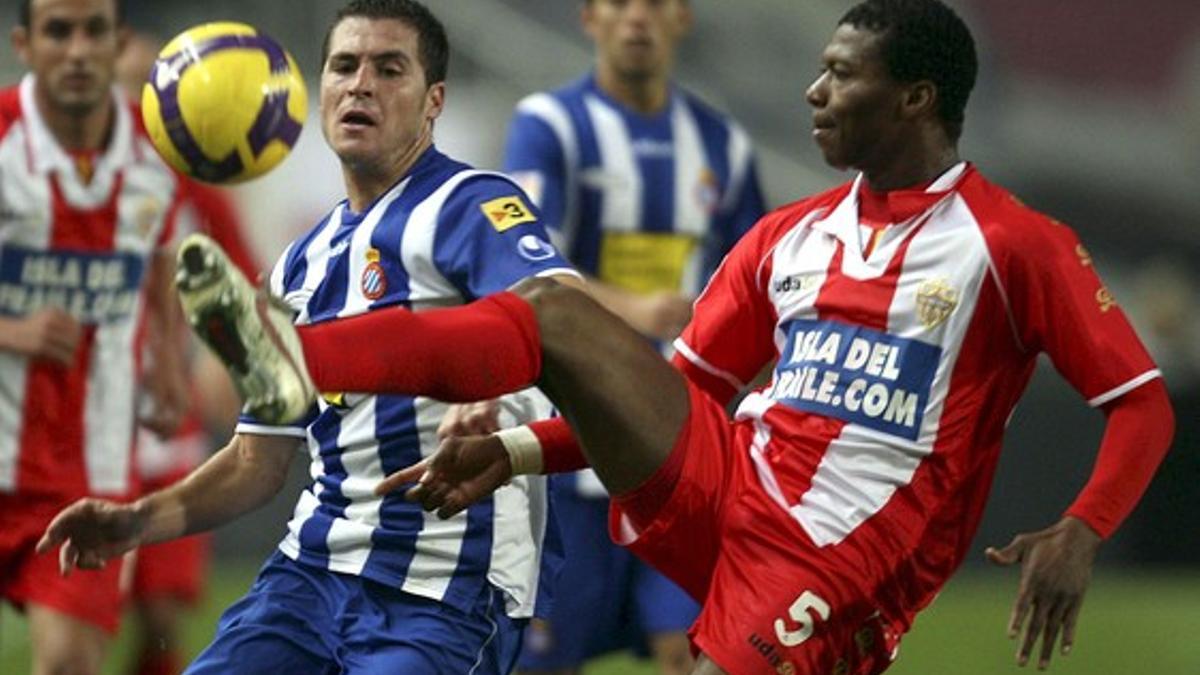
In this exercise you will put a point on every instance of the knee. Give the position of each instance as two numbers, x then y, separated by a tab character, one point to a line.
559	308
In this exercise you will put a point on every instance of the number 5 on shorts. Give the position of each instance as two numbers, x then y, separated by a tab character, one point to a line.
801	612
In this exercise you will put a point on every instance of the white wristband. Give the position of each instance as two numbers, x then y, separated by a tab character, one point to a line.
524	450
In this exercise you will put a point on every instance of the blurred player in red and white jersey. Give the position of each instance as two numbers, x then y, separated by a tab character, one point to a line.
86	217
168	577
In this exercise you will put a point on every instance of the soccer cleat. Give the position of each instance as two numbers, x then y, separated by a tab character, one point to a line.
251	332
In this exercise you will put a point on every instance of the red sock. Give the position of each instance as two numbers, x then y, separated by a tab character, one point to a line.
475	352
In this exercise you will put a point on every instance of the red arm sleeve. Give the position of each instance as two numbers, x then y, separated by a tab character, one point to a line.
731	335
561	453
1137	437
1061	307
218	217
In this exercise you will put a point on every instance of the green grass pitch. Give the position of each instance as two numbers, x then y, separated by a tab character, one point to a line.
1132	624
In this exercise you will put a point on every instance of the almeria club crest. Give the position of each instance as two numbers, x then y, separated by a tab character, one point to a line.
936	299
374	282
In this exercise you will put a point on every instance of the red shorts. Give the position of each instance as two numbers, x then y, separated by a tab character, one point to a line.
174	568
25	577
772	601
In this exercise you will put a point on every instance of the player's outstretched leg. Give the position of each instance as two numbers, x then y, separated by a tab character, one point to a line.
626	404
252	334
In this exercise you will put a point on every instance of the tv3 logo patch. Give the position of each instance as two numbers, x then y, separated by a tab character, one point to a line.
506	213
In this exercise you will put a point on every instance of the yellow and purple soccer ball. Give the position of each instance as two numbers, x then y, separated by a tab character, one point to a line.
224	103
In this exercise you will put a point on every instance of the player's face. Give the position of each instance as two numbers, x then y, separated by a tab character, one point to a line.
636	38
375	105
72	47
855	102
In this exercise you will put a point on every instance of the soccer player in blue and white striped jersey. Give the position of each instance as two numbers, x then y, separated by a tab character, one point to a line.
645	188
361	582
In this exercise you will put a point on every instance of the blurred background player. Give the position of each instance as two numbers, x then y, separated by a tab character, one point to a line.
85	285
168	578
361	582
645	188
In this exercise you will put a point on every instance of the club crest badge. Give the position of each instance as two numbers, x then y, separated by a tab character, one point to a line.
708	191
936	300
374	282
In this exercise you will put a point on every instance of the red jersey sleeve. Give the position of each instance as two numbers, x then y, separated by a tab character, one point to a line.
731	335
166	237
1060	306
217	216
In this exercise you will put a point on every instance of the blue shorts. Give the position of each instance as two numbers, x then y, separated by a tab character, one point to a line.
300	619
605	599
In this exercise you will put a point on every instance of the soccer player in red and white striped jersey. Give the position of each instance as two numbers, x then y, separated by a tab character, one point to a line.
86	207
905	310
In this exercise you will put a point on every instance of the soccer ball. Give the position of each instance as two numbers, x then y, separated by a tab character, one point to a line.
224	102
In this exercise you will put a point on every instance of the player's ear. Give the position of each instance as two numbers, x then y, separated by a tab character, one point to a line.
435	100
919	98
20	43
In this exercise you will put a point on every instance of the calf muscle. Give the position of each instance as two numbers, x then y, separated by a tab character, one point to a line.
626	404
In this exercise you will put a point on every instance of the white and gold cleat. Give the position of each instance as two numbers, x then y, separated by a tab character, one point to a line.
249	331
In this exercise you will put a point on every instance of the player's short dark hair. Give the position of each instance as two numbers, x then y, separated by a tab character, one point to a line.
924	40
25	13
433	47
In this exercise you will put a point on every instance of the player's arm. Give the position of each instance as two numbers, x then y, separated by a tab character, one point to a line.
241	477
467	469
1059	305
1057	561
165	376
49	333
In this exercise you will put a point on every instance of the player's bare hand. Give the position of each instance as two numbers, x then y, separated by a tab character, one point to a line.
461	471
49	333
92	531
470	419
1056	568
661	316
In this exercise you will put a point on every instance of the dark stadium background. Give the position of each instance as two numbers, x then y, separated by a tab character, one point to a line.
1087	110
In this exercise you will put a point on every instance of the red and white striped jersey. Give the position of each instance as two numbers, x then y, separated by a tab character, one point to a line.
897	372
83	246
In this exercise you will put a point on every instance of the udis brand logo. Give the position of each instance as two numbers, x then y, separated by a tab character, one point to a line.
795	283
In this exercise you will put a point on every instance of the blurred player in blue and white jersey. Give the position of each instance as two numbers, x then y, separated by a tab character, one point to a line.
645	188
364	583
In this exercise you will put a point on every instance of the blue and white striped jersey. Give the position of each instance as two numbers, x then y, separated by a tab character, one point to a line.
444	235
643	202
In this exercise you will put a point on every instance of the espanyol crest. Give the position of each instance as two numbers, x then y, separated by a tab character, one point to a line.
374	282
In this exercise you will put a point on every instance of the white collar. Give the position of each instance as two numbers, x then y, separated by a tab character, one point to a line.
842	221
48	154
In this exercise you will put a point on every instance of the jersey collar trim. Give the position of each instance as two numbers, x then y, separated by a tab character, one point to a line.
843	221
48	155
